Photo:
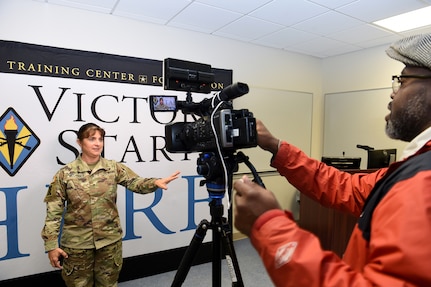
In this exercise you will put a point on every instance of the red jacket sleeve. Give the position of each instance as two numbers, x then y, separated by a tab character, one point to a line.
327	185
293	257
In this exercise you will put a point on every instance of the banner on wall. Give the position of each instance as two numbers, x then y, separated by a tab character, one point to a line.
46	94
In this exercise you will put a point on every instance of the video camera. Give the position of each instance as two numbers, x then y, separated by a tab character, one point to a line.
216	134
218	126
218	131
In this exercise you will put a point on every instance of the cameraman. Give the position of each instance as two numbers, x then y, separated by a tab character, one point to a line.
390	245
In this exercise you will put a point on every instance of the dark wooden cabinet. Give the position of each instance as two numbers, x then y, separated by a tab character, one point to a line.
331	226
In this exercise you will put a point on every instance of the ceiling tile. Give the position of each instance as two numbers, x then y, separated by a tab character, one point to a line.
320	43
339	49
285	38
318	47
159	12
248	29
90	5
363	33
327	23
332	4
379	41
370	11
284	13
199	17
320	28
243	7
423	30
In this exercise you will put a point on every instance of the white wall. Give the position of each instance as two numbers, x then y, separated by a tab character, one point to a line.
365	79
52	25
36	22
363	70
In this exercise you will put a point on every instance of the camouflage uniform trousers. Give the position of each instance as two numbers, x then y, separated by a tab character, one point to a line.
93	268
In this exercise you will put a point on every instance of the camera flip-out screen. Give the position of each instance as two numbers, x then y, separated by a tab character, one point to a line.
163	103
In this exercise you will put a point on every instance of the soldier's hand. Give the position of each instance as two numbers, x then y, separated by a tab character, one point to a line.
163	182
55	256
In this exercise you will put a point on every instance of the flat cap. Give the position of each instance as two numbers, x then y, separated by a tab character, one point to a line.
412	51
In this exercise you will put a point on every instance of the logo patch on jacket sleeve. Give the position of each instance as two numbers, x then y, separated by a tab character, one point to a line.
284	254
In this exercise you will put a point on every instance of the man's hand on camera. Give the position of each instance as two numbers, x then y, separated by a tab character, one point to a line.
265	139
251	201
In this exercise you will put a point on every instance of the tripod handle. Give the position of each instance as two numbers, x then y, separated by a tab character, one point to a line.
256	177
258	180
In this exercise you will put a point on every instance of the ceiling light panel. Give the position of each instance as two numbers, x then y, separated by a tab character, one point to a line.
407	21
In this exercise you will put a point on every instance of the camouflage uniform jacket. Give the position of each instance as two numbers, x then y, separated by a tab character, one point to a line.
91	218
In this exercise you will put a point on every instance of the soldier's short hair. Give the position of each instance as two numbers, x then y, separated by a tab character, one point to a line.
88	130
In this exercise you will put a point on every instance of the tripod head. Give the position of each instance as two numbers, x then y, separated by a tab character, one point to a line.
218	172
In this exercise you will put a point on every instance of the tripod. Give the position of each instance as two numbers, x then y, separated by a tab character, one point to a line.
209	166
222	239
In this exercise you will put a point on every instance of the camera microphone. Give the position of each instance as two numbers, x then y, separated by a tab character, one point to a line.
233	91
365	147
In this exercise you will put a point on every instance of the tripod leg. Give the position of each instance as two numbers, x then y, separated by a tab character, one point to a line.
190	253
217	256
231	259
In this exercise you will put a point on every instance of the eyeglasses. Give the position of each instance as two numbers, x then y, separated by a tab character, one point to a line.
397	82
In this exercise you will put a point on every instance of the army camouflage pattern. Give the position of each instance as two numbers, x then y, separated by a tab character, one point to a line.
91	219
90	267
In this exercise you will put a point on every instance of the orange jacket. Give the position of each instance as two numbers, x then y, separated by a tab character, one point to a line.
397	254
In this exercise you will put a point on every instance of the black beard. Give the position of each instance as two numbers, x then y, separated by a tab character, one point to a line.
410	121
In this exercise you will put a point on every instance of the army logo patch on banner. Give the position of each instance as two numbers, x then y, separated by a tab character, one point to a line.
17	142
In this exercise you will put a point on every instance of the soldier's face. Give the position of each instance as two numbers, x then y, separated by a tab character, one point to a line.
92	146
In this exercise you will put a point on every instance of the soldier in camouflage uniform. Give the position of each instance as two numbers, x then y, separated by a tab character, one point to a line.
91	243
